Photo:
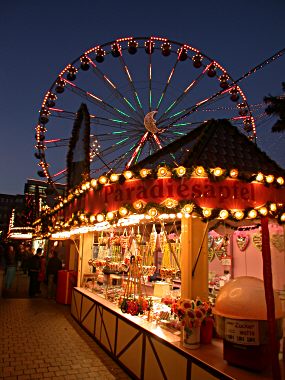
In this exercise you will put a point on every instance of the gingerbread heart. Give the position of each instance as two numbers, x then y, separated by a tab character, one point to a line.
210	241
221	253
277	241
218	243
242	241
257	241
211	255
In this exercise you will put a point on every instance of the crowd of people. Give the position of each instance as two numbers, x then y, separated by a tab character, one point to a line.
41	268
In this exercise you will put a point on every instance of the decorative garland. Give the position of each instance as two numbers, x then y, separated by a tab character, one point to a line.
50	224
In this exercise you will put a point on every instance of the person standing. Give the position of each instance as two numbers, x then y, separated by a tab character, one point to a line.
53	266
42	275
26	258
34	265
11	266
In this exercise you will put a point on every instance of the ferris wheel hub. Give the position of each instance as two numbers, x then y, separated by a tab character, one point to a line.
150	122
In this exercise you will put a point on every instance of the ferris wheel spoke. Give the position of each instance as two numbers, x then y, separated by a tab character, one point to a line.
131	85
111	85
178	100
119	161
56	143
138	148
167	85
63	171
188	111
98	101
165	141
150	81
94	120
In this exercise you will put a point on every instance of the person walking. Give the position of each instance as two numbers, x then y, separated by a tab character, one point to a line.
11	266
34	265
53	266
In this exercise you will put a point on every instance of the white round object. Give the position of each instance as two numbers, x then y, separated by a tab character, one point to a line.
244	298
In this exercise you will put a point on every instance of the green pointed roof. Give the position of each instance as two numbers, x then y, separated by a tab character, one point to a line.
215	143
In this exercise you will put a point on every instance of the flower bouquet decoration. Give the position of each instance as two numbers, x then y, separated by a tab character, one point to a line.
191	314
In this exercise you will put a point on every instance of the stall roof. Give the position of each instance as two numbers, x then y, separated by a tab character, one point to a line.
215	143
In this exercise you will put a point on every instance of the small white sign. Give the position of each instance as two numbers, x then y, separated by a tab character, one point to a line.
242	332
226	262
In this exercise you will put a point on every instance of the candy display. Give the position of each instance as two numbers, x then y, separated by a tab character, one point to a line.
126	259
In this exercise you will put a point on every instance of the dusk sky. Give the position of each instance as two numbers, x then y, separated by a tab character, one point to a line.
38	39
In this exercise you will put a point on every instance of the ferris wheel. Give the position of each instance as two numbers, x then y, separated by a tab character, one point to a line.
141	93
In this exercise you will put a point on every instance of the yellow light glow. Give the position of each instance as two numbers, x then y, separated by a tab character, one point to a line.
152	212
83	187
259	177
223	214
188	208
218	172
263	211
110	215
179	215
234	173
207	212
170	203
200	170
93	182
162	172
239	214
92	218
128	174
103	180
123	211
270	178
138	205
273	207
180	171
144	173
280	180
252	214
282	217
114	177
100	218
82	217
61	204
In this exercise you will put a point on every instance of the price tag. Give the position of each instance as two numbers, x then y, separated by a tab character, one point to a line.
226	262
242	332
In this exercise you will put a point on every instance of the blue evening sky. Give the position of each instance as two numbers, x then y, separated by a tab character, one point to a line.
39	38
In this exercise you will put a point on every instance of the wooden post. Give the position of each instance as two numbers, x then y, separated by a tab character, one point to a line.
85	253
194	238
269	296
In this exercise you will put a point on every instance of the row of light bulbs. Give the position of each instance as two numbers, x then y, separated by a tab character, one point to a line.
163	172
186	210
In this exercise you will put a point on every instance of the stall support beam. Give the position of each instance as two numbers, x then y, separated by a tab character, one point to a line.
85	252
194	239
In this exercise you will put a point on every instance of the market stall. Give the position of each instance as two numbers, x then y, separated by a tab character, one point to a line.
143	243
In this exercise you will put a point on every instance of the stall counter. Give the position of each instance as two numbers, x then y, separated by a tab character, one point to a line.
147	351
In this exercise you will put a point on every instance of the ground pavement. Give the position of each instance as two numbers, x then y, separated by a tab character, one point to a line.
39	339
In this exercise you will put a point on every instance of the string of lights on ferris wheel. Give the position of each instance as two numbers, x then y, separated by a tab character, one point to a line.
129	124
